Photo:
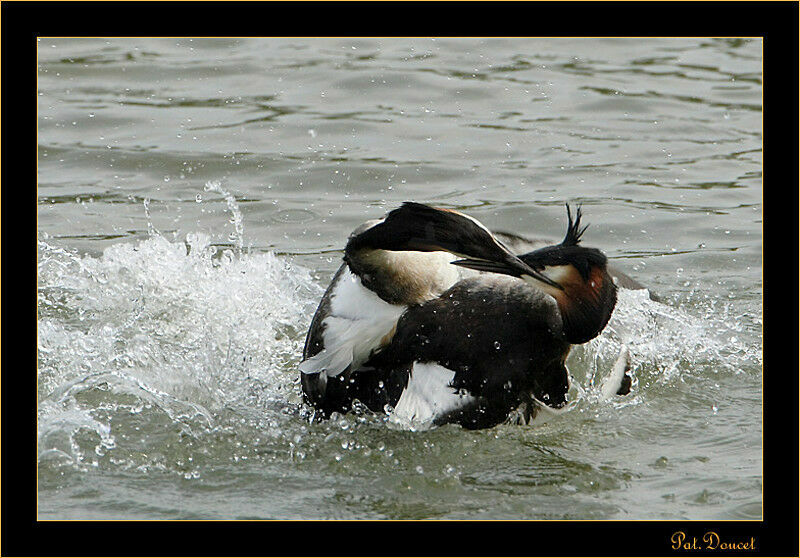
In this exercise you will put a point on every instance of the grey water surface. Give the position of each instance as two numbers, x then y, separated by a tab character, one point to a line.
193	200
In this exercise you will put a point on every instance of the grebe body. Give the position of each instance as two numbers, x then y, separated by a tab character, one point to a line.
471	347
389	265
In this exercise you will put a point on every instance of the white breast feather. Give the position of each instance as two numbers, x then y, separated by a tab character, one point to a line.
427	396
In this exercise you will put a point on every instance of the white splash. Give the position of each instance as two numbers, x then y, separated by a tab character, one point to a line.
666	341
183	329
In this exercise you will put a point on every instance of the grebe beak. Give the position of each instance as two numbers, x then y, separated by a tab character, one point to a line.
511	266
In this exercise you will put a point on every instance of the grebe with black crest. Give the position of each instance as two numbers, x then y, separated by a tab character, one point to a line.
408	326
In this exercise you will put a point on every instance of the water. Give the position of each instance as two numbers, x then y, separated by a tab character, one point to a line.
193	200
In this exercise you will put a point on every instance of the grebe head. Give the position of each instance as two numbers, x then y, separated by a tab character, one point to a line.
575	276
422	228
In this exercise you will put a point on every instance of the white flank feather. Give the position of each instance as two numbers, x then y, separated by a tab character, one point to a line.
358	322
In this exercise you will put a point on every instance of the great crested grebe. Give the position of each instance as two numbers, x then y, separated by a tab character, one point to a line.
402	329
389	265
